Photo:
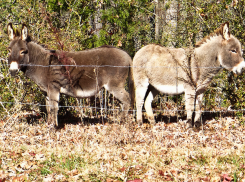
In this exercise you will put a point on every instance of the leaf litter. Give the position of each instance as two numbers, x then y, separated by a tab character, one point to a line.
122	152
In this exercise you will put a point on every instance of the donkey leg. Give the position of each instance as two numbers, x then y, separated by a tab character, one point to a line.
53	95
120	93
125	99
198	110
152	92
189	105
47	104
140	92
190	98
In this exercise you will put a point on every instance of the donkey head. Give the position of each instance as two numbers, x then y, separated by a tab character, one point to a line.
230	54
18	52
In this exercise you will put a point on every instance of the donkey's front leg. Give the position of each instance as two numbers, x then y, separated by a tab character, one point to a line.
47	104
190	107
53	105
198	110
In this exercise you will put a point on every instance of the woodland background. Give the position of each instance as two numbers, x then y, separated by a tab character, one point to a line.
97	151
127	24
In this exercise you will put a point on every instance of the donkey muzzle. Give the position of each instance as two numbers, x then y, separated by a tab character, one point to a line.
13	72
14	69
239	68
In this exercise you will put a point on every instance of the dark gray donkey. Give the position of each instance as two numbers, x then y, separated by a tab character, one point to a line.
78	74
176	71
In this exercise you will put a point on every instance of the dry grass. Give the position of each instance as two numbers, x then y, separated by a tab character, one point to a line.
113	152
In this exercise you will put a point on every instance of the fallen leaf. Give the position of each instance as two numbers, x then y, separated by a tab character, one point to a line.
18	179
48	179
205	179
225	178
135	180
32	153
40	157
161	173
174	173
122	169
109	180
73	172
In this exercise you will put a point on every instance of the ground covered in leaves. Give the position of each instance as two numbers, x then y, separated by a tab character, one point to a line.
113	152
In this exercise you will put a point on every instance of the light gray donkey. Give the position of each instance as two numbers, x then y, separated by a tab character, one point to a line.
78	74
176	71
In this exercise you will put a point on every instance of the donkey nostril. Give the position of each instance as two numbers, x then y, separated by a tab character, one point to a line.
13	72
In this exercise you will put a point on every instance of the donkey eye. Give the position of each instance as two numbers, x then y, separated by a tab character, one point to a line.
233	51
23	52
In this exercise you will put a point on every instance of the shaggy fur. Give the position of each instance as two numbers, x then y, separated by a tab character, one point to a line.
176	71
217	32
78	74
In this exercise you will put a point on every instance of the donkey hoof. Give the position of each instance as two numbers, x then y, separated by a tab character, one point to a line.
189	124
198	124
49	121
152	122
139	122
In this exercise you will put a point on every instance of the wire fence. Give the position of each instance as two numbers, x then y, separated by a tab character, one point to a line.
128	26
24	99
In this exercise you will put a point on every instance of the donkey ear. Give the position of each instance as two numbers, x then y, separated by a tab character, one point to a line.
11	33
226	32
24	32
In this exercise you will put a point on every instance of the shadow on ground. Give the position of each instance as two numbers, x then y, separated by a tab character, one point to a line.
71	118
205	117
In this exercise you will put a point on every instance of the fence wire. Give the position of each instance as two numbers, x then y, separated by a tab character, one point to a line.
169	23
113	66
103	105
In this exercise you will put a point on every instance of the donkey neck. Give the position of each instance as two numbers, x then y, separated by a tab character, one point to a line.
206	60
38	62
37	54
207	54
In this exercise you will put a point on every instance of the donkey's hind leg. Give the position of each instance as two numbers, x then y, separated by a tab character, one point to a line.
120	93
140	92
151	93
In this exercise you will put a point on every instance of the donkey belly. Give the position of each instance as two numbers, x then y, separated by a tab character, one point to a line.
170	89
78	92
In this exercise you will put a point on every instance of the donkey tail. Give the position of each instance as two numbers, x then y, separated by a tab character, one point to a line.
131	85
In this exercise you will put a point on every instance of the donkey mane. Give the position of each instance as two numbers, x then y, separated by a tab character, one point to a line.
217	32
50	70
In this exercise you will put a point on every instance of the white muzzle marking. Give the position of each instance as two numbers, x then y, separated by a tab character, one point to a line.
238	68
14	66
